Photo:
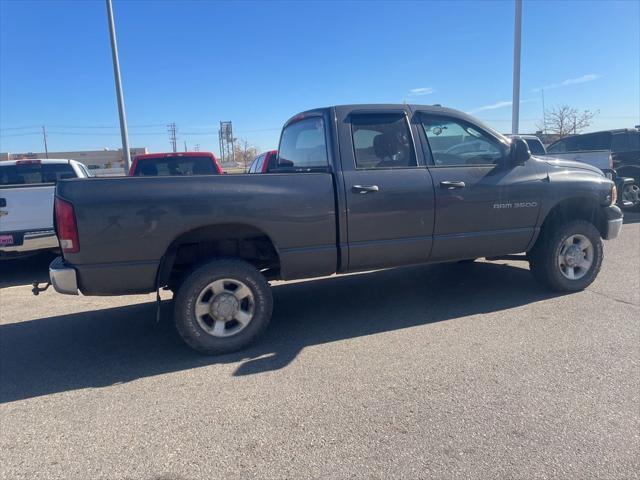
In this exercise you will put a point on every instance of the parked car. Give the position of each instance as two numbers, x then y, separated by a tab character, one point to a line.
536	147
359	187
616	152
175	164
26	203
265	162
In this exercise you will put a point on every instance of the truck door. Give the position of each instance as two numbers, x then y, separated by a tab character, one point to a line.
389	193
484	205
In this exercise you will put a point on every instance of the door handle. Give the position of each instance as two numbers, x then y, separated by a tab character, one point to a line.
364	188
449	185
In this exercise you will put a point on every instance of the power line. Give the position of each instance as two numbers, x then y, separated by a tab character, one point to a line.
19	134
209	130
104	134
107	126
20	128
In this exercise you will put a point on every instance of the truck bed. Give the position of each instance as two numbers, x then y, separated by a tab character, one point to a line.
596	158
142	216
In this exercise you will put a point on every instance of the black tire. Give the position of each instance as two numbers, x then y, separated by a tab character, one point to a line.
543	259
189	327
636	206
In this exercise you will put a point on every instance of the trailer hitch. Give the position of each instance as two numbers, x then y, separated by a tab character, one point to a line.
37	288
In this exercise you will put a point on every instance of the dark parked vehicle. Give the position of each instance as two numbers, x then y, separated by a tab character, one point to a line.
264	162
617	152
536	147
175	164
355	188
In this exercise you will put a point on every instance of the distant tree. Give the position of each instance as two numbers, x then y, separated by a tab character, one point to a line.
564	120
244	153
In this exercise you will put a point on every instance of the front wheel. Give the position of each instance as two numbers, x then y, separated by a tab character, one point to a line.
223	306
568	258
630	196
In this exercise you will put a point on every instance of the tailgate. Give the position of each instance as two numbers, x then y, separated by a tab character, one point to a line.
26	208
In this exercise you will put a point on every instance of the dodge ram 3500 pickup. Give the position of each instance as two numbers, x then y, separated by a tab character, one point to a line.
356	188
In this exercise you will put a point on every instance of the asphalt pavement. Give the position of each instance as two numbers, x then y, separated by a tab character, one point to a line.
444	371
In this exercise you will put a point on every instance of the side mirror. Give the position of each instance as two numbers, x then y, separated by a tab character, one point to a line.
519	151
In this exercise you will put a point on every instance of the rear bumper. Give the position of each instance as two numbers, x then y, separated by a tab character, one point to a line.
103	279
63	277
32	241
613	222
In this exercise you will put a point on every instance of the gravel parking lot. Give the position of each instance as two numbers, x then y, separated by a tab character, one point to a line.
444	371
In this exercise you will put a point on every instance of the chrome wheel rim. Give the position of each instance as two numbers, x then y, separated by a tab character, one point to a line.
224	307
631	193
575	257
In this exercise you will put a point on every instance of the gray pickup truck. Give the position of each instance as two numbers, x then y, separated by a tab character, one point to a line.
356	187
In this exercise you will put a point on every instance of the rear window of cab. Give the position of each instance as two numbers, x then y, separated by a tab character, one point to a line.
33	172
175	166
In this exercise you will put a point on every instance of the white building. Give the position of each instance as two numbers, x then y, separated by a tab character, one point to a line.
94	159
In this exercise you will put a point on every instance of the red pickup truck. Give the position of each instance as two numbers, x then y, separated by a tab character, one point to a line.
265	162
175	164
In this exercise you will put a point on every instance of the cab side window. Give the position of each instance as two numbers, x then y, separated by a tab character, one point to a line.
454	142
569	144
255	167
303	146
593	141
626	142
382	141
557	147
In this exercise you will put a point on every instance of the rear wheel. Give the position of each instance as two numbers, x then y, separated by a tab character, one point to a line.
223	306
568	258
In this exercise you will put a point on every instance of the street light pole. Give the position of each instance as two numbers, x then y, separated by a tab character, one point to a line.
515	106
116	72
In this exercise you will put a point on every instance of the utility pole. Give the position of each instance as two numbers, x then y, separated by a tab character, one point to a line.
244	154
185	145
171	128
517	34
197	147
44	138
126	154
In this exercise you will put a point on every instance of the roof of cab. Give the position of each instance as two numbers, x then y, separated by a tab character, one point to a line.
45	161
432	109
174	154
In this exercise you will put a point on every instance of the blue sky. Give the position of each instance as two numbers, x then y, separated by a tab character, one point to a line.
258	63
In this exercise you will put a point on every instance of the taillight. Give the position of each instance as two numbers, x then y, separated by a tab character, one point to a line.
66	226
